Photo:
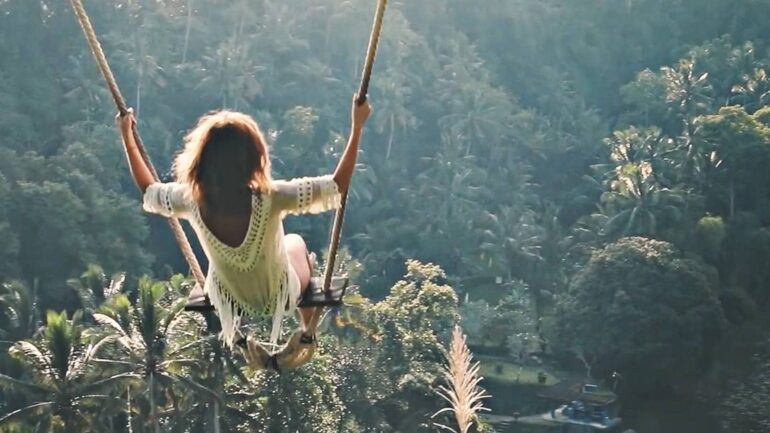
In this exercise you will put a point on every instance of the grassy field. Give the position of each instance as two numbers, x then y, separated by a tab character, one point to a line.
502	370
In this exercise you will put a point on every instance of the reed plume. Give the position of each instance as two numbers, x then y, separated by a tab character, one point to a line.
463	391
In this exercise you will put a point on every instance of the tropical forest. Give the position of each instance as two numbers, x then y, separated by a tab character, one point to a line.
558	219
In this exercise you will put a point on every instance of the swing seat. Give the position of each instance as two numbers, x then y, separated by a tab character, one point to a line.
314	296
198	301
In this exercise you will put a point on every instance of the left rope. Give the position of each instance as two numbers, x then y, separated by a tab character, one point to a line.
120	103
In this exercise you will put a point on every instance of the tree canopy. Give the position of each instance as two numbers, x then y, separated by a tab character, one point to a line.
639	307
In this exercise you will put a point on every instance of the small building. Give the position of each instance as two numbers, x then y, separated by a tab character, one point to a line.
582	407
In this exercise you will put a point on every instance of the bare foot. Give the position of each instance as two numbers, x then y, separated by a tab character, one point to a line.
299	350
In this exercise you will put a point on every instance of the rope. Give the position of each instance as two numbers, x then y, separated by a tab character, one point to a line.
371	50
120	103
363	89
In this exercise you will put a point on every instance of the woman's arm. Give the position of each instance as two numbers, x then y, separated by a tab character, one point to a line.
139	170
347	163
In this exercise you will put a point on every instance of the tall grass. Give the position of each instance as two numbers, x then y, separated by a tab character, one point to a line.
462	391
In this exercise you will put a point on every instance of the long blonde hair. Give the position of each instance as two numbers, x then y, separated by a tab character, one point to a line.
223	156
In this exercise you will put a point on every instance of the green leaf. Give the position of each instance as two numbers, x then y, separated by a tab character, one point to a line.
23	413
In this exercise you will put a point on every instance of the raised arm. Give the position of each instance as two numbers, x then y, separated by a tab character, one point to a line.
139	170
347	163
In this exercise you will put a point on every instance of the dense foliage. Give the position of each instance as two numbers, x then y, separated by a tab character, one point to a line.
514	143
743	406
638	307
145	366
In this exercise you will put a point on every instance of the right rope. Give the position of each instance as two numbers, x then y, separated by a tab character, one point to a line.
120	103
363	89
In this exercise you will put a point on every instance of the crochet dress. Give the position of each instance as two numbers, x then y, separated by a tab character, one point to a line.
255	277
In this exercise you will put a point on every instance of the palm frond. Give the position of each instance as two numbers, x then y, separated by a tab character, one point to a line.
10	417
191	384
32	355
24	387
93	349
124	337
108	382
180	349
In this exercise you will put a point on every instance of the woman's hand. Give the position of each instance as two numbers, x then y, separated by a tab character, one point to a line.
359	113
126	122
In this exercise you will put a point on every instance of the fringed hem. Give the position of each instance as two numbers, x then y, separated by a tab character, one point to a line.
230	310
286	302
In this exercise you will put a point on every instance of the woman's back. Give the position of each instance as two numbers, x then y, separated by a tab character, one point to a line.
230	226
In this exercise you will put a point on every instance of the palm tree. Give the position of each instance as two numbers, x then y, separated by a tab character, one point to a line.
444	203
754	91
637	203
733	146
84	92
211	365
310	81
644	165
187	29
688	91
146	334
339	47
511	242
509	237
479	112
62	386
392	114
18	318
479	115
18	321
148	67
447	185
230	74
92	287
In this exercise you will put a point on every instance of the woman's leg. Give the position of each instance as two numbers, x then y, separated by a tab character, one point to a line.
300	261
295	353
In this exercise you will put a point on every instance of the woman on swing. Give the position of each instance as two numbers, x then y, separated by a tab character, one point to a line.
224	189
